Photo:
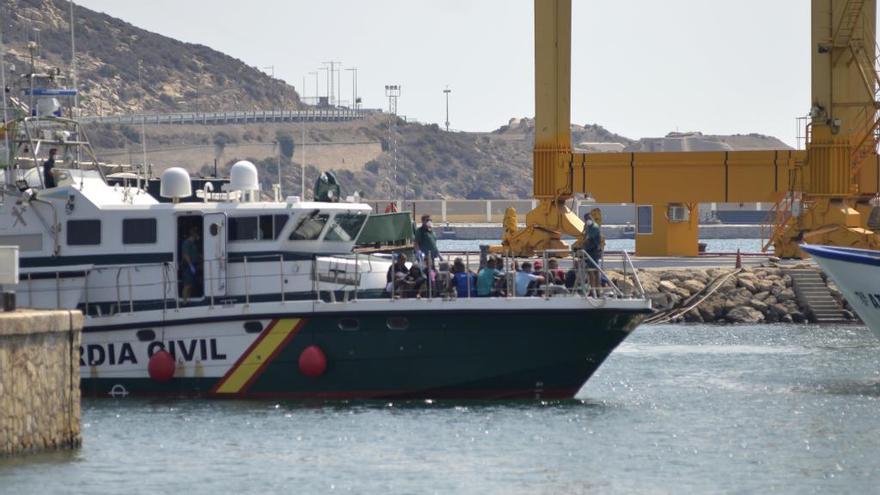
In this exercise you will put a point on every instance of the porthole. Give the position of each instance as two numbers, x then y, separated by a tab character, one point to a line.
253	327
146	335
397	323
214	229
349	324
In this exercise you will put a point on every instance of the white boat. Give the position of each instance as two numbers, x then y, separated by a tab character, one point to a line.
279	305
857	273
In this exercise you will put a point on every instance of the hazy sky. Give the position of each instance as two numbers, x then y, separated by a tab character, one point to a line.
641	68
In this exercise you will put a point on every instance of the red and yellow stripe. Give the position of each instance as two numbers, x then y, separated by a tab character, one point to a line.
261	352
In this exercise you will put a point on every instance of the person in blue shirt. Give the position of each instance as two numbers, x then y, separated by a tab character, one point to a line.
464	280
486	279
524	278
593	247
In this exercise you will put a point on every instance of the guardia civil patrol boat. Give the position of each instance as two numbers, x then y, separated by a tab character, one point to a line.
279	305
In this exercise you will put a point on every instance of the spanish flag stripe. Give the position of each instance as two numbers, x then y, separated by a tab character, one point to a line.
257	356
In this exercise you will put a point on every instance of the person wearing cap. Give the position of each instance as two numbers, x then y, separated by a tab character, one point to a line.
396	271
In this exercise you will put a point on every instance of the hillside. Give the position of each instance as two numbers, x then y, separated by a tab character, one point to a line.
174	75
431	163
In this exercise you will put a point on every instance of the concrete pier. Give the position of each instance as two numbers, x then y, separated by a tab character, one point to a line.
39	380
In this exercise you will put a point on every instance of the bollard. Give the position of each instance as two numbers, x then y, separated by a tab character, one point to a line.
739	261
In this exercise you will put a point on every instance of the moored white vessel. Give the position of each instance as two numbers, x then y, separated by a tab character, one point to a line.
857	273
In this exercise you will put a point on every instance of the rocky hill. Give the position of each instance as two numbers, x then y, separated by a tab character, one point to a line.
430	163
173	75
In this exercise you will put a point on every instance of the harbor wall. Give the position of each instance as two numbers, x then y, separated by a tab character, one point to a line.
39	380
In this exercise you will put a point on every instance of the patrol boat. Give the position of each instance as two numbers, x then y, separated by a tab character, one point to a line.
279	305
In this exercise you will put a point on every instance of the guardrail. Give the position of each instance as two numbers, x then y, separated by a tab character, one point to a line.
438	284
232	117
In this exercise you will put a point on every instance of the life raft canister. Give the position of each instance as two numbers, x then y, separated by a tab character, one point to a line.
312	361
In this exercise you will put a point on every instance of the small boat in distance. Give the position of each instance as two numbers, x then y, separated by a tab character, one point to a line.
857	273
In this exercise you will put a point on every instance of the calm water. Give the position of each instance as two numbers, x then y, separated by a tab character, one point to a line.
691	409
712	245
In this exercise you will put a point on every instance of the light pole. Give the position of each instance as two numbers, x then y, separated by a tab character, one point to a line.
446	92
354	85
316	85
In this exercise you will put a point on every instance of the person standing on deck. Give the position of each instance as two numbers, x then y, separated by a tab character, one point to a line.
189	255
48	165
593	248
426	242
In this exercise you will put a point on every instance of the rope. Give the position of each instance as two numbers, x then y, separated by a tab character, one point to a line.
674	313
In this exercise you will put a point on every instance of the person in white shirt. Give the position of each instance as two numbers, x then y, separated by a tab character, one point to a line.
524	277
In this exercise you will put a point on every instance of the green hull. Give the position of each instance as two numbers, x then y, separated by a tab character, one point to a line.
424	354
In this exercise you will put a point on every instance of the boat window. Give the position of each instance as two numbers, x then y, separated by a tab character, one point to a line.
139	231
309	227
83	232
261	228
146	335
280	222
243	228
397	323
345	226
349	324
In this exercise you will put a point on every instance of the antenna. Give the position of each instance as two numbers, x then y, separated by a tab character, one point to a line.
354	86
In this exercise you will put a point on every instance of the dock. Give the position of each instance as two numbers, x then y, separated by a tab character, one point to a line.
39	380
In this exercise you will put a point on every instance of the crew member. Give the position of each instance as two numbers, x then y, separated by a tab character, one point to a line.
189	255
48	165
593	248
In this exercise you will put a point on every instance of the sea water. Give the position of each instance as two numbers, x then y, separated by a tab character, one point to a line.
676	409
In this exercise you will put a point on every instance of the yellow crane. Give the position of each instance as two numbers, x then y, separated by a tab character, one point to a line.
821	195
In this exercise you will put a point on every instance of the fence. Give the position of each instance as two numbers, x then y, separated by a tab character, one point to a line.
235	117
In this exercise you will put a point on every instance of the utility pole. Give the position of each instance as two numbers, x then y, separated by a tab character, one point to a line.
331	85
392	91
73	64
7	150
354	85
446	92
143	114
316	85
302	175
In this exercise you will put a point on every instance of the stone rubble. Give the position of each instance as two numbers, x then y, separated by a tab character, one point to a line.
761	294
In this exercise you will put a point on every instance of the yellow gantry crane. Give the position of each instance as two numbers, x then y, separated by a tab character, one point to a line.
821	195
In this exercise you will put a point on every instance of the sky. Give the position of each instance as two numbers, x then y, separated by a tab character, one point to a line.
640	68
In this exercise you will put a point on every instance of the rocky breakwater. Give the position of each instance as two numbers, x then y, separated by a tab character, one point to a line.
716	295
39	380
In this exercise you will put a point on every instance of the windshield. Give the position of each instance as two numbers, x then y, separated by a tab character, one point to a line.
309	228
345	227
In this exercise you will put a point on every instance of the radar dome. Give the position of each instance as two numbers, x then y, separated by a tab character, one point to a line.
243	177
175	184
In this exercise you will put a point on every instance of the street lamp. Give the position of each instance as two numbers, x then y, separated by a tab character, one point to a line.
446	92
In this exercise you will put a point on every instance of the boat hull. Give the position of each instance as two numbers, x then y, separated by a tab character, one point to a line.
857	273
444	353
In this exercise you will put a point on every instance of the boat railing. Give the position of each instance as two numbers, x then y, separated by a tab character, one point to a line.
329	279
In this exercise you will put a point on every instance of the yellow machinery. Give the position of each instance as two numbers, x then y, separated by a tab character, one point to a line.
821	195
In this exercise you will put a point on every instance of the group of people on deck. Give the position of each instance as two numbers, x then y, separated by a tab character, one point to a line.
425	274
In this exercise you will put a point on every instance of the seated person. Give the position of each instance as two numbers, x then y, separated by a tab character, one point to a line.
399	266
557	276
486	278
413	284
443	280
465	281
525	278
